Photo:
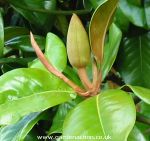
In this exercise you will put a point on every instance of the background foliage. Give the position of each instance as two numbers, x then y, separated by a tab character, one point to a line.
131	67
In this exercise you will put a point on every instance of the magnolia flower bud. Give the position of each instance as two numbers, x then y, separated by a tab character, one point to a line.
78	47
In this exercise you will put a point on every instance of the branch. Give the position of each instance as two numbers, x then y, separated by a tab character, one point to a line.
54	71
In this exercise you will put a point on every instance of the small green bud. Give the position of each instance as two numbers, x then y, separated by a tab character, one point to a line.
78	47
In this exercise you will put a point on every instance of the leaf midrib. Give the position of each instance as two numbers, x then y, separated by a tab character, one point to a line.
140	48
99	115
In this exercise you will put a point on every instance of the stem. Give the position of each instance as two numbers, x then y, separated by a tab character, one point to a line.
58	12
147	131
95	74
84	78
54	71
99	78
95	78
98	83
142	119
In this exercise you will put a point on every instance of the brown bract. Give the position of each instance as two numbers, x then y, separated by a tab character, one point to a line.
98	27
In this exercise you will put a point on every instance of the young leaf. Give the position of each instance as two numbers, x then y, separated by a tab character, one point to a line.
112	113
1	35
55	52
98	27
72	75
111	49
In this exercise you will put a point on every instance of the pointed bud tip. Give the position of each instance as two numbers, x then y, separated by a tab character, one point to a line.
75	18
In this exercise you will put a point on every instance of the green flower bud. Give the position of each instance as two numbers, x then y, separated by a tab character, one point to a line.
78	47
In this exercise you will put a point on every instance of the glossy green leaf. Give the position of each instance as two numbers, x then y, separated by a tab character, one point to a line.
87	4
62	24
133	61
24	82
8	51
136	135
98	27
14	31
72	75
1	35
138	15
40	20
32	136
93	3
111	113
30	87
18	131
59	118
5	68
142	93
136	2
36	64
132	12
121	21
62	111
55	52
147	11
145	109
21	61
111	49
143	128
33	103
23	43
